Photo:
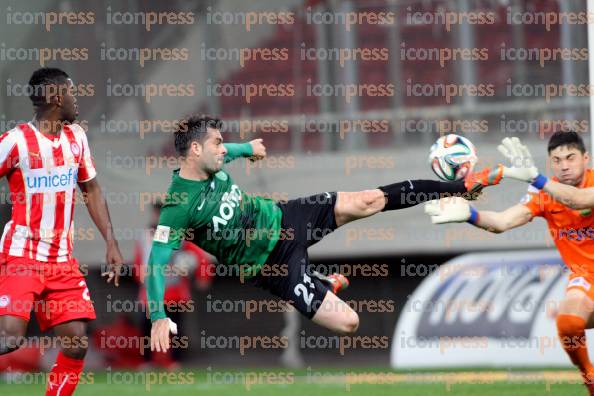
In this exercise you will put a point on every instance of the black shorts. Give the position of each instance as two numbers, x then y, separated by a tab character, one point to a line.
305	222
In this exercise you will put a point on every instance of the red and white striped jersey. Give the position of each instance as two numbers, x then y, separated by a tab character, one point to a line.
42	173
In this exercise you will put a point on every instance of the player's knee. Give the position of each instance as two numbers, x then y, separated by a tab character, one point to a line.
75	351
576	303
75	340
570	325
350	323
367	199
11	339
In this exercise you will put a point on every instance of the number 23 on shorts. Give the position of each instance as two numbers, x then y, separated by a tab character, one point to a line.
301	290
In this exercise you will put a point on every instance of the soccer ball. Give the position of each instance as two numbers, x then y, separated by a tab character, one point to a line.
452	157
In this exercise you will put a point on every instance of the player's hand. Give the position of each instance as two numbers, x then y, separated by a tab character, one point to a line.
114	261
476	181
448	210
522	166
160	331
258	149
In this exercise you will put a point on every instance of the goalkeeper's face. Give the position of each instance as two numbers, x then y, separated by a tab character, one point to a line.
569	164
212	153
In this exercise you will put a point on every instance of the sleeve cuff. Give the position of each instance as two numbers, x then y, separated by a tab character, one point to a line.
247	149
239	149
540	182
157	315
474	216
88	178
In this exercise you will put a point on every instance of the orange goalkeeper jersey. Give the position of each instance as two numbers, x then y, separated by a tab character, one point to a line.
572	230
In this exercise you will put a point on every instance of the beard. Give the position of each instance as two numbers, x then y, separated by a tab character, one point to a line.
69	119
215	167
70	115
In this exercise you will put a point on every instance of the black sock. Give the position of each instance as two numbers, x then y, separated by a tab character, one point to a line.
413	192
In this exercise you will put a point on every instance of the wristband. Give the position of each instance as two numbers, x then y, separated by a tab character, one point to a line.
474	216
540	181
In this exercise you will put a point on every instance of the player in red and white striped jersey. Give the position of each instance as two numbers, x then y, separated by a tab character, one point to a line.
42	174
44	160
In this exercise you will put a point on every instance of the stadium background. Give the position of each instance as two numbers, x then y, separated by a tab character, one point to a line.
309	144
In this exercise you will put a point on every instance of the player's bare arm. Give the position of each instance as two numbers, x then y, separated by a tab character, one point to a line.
570	196
498	222
97	207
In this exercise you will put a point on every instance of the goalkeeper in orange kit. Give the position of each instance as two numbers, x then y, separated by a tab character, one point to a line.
565	201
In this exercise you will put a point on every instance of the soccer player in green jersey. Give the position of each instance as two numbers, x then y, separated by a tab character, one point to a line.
265	241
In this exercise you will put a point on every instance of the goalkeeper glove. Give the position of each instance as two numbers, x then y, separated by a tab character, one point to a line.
522	165
475	182
451	210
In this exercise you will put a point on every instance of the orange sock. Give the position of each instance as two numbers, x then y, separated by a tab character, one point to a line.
572	334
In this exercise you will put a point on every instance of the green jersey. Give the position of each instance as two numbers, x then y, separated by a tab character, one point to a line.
238	229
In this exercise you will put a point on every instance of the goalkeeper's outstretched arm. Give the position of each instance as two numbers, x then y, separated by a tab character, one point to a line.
573	197
498	222
458	210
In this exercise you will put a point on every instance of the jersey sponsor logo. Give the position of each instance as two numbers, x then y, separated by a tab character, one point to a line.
4	301
162	234
229	202
580	234
61	178
580	281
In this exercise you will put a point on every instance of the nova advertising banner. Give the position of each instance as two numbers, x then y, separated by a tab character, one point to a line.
486	309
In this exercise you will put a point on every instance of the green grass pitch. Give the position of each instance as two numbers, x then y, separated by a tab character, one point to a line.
311	382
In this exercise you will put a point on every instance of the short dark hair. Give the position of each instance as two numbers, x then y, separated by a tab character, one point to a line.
570	139
39	82
192	129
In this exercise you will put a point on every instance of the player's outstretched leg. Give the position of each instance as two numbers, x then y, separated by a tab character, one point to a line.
66	372
574	311
352	206
357	205
336	315
12	333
